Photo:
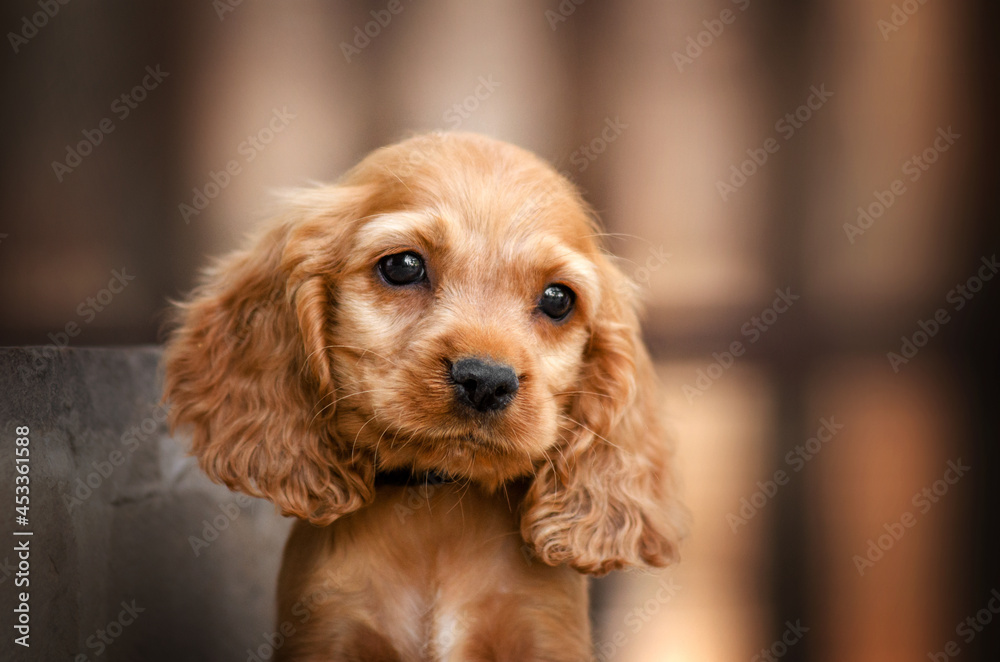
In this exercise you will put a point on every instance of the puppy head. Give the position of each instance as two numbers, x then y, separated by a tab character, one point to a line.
445	307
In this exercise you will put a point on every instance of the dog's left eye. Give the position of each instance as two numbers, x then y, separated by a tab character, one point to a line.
557	301
402	268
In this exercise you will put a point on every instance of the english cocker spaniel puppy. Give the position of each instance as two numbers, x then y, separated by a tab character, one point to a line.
433	365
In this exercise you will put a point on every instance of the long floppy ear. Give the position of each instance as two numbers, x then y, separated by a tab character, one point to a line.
248	367
606	497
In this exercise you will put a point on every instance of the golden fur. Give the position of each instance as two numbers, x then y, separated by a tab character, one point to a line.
302	375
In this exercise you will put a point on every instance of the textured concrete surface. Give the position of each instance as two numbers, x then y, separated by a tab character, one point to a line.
135	555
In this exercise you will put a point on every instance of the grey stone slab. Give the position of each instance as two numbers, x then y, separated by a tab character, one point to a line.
114	506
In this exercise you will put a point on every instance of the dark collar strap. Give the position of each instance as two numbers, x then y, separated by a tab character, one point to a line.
409	478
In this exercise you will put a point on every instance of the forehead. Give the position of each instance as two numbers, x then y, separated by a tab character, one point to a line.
476	204
480	244
487	187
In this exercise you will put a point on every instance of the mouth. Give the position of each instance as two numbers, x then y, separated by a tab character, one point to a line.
467	454
465	438
451	442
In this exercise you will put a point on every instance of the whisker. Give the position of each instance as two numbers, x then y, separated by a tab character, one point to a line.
468	485
355	443
363	218
601	395
619	235
578	423
561	456
375	452
397	177
364	350
349	395
531	463
330	394
552	466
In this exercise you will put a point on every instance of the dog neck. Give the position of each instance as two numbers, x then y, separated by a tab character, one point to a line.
410	478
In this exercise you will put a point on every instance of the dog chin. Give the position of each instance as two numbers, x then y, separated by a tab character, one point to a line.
463	457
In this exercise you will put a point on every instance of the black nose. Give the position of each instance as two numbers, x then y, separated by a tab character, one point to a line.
483	386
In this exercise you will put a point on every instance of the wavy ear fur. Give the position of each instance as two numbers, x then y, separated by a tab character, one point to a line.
248	369
606	498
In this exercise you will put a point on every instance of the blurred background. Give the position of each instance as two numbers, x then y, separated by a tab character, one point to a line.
804	190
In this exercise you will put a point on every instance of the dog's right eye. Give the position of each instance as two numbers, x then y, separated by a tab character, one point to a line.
402	268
